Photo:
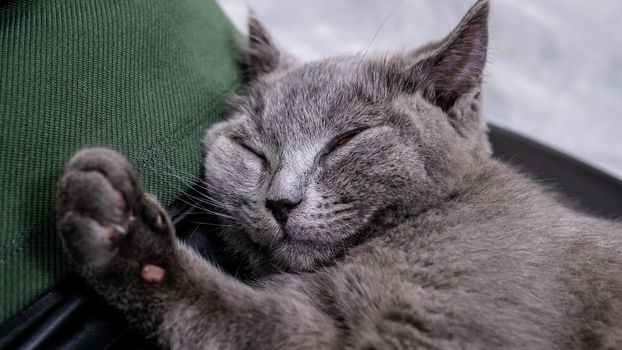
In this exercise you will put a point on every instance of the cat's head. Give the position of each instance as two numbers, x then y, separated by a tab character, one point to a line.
313	152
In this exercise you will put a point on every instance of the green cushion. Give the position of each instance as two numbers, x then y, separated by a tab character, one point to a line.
147	77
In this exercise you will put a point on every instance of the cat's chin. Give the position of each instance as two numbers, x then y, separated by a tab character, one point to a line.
304	255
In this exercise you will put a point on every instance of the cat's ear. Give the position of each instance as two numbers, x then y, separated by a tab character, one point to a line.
453	67
260	55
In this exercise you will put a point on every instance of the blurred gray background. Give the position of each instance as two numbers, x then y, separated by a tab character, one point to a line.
554	70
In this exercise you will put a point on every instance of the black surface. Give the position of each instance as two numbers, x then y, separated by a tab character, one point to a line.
71	317
586	188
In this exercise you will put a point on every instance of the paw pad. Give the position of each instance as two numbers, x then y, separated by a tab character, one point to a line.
152	273
159	221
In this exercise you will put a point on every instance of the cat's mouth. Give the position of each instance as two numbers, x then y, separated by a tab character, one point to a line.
296	234
291	235
288	239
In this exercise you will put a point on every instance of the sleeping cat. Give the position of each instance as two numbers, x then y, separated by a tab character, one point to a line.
363	194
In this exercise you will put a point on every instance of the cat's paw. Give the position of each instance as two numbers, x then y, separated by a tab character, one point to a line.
105	219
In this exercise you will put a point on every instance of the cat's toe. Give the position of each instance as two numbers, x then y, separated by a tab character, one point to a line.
113	166
96	202
89	244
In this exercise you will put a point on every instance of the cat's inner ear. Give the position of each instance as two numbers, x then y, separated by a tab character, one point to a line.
454	66
260	56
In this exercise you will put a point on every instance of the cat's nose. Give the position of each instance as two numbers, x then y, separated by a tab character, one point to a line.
281	208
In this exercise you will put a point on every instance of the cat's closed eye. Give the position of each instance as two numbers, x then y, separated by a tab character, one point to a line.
249	149
340	141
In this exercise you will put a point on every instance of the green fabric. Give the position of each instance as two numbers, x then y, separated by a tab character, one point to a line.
147	77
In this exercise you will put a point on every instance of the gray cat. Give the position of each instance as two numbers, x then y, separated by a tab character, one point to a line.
365	194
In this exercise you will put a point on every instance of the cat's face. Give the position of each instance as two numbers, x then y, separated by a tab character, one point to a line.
313	152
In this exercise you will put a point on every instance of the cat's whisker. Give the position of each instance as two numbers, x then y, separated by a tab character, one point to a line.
194	231
186	178
215	224
206	210
204	197
192	180
384	21
206	200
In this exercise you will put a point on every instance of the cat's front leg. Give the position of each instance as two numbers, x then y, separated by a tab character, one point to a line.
123	243
117	236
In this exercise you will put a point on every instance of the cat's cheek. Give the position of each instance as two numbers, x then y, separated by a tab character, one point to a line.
255	171
230	168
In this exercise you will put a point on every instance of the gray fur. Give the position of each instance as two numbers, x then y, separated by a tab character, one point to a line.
406	235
